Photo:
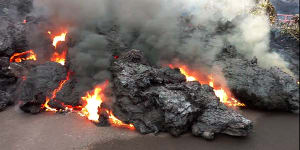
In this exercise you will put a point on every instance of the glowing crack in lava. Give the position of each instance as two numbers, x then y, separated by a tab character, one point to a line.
19	57
53	95
219	92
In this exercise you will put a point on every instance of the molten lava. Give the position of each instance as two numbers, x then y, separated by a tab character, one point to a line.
92	107
19	57
114	121
187	76
58	38
93	103
53	95
221	92
59	58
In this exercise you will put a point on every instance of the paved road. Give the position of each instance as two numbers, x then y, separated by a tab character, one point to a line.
48	131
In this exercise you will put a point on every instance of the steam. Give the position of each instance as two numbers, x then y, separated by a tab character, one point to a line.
158	28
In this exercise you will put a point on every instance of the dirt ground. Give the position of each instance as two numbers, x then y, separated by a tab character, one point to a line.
49	131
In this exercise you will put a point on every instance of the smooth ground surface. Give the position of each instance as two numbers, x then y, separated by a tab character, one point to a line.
48	131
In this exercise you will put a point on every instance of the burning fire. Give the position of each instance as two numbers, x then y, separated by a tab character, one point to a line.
19	57
56	56
58	38
92	107
221	93
93	102
59	57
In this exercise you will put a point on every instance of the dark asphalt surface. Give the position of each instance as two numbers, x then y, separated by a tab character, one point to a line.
48	131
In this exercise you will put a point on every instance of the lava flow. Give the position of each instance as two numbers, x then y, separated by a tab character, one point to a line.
114	121
93	102
19	57
92	107
53	95
221	92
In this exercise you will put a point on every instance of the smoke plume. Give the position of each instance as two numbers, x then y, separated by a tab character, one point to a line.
160	28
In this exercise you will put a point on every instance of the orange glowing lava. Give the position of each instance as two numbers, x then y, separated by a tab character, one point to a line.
92	107
59	58
114	121
221	92
59	38
19	57
93	101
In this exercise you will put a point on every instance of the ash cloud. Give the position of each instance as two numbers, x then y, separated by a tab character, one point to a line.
160	28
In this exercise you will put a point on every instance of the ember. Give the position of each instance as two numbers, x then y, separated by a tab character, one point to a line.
19	57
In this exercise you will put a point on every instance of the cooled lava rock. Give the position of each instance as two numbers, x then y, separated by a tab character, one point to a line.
68	95
39	84
160	99
7	77
267	89
287	47
5	100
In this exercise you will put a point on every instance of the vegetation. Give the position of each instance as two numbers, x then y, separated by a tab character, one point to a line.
265	7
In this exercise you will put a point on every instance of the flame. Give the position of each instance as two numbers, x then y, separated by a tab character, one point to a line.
114	121
59	38
93	101
19	57
92	107
59	58
221	92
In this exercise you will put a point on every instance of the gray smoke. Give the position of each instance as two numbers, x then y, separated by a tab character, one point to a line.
161	28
